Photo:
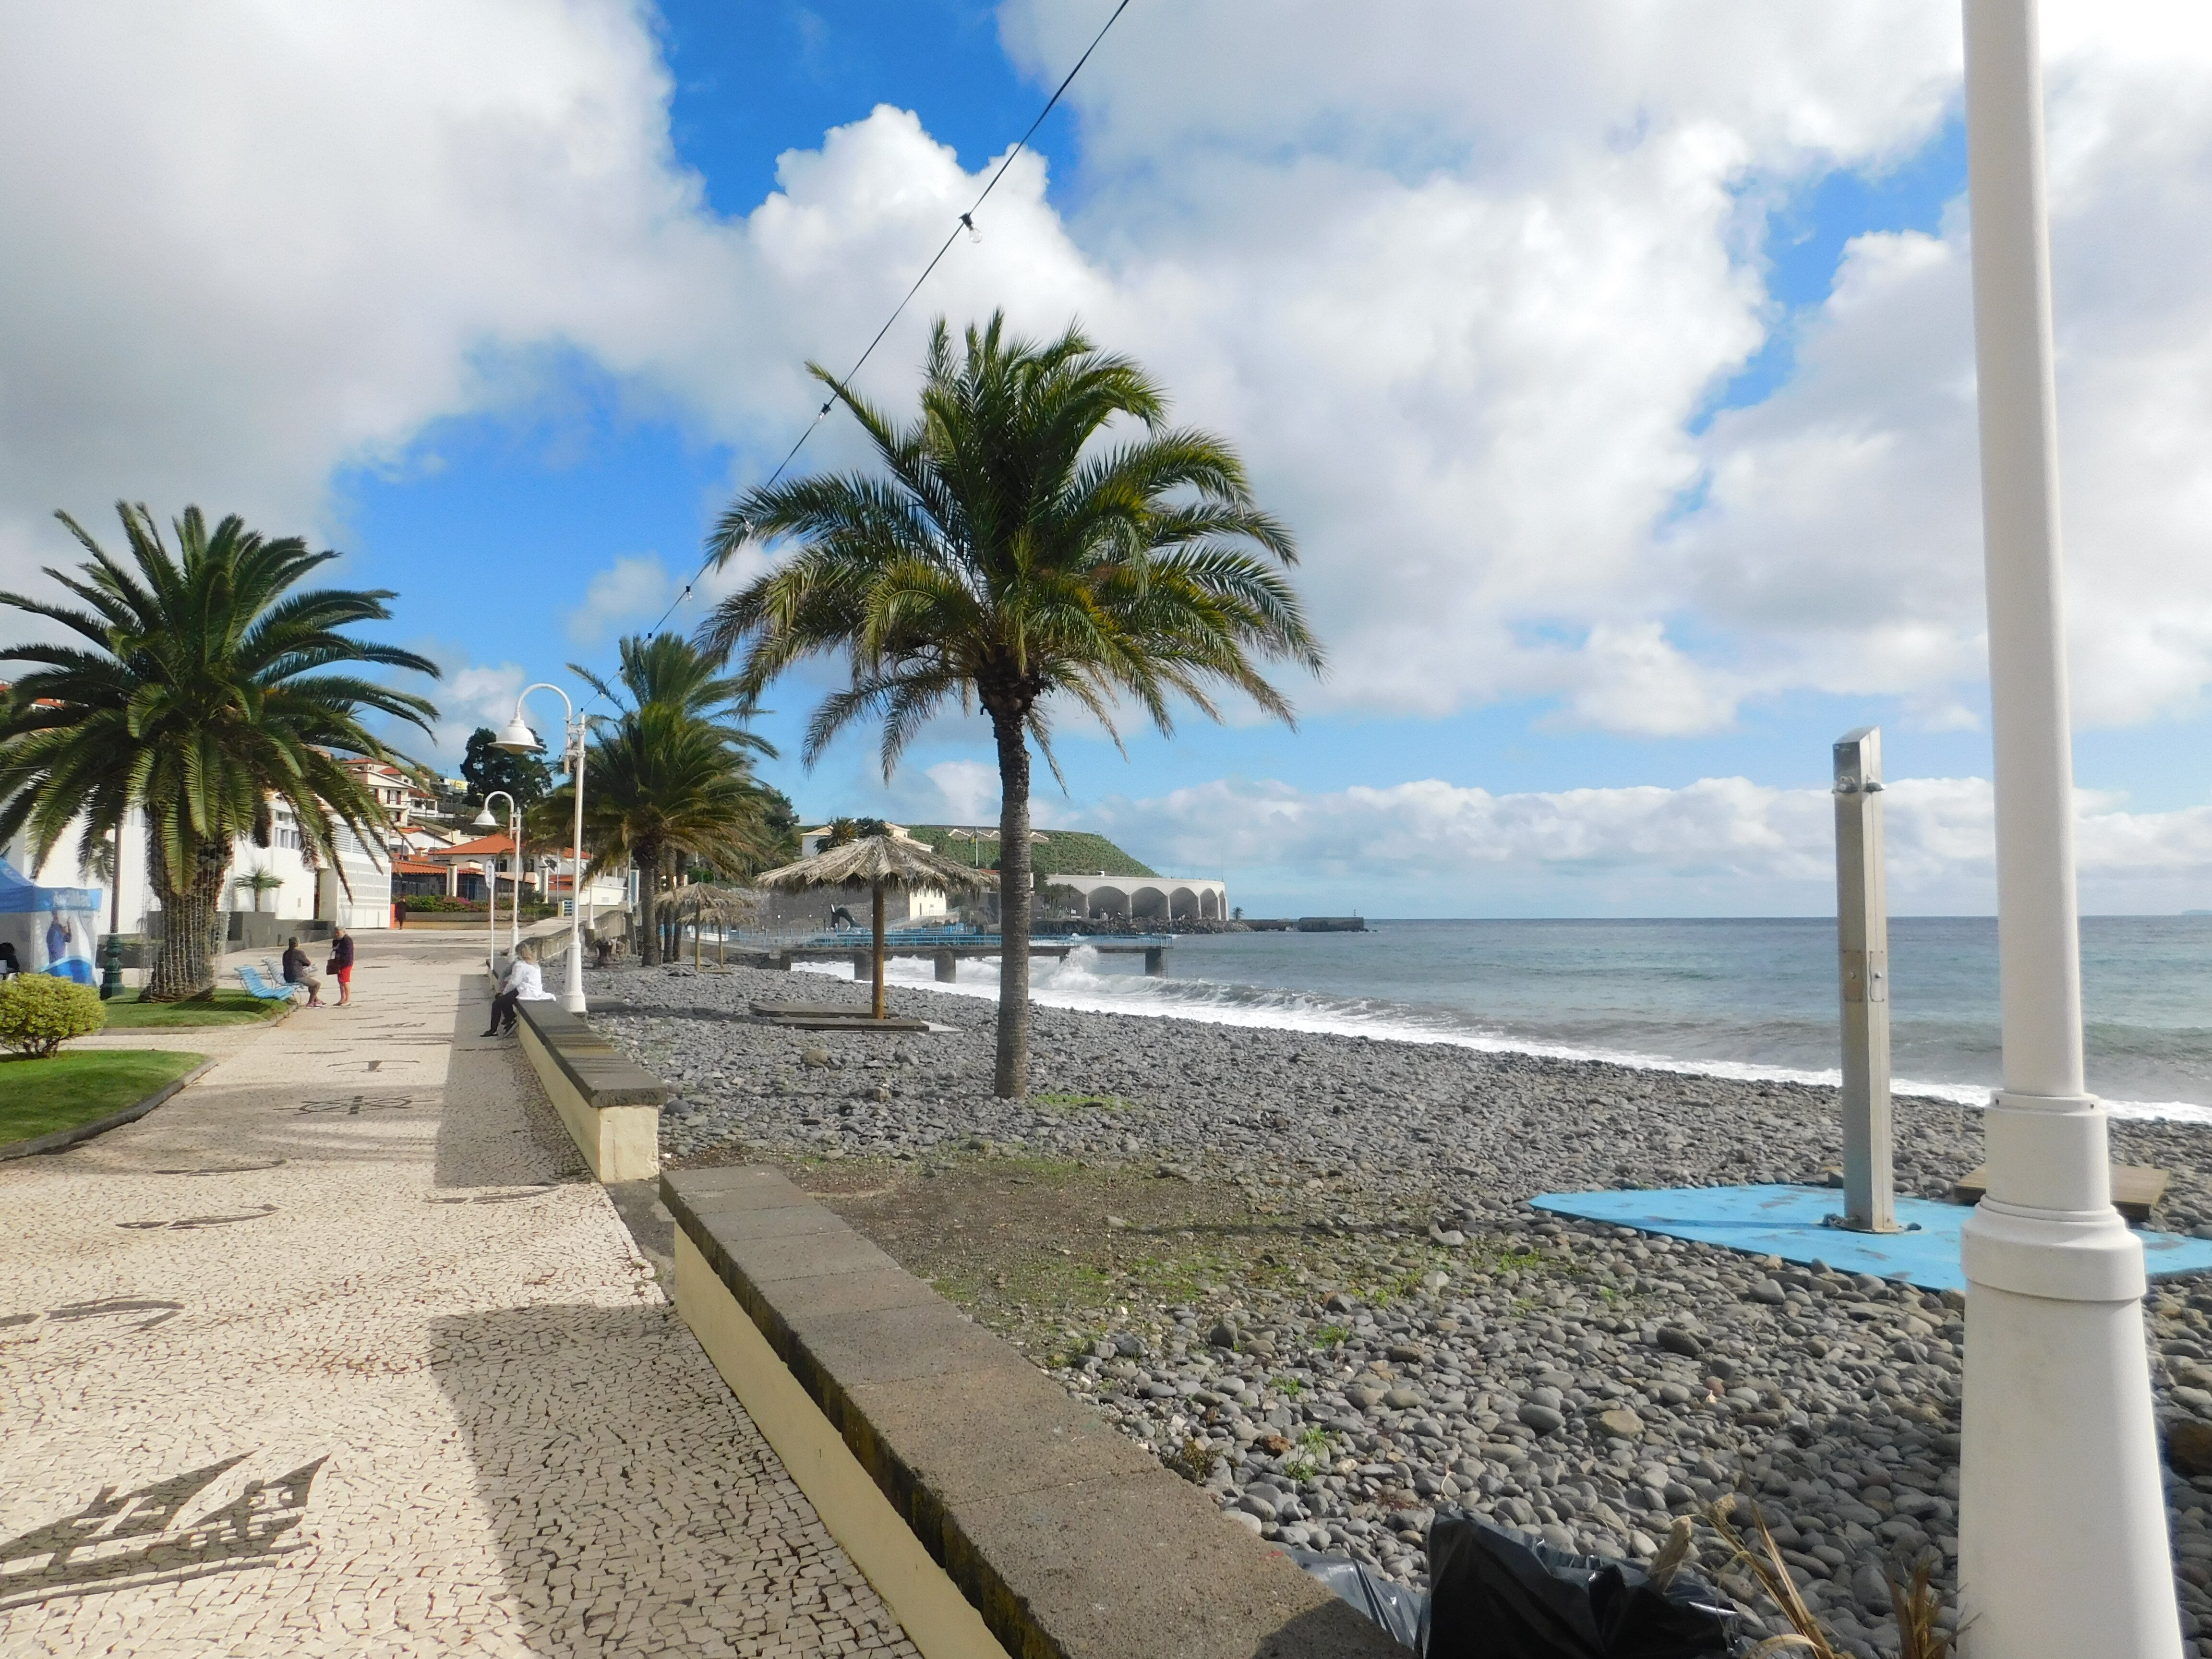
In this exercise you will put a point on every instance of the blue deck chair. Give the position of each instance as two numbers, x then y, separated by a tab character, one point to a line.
256	985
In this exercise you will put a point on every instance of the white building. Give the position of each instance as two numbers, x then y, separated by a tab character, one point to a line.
273	880
1149	898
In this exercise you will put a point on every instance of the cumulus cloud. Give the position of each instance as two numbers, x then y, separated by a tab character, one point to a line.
470	694
1840	537
1719	846
1458	277
967	790
634	589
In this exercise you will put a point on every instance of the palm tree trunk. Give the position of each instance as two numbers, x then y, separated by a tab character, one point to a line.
647	856
1012	1078
876	1002
184	965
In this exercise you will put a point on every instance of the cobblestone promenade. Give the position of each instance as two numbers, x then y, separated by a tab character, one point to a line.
340	1353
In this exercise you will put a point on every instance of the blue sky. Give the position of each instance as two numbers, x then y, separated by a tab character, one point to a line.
549	492
1617	394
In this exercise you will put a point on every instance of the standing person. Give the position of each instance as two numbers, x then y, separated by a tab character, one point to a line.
296	972
10	966
57	943
341	965
399	913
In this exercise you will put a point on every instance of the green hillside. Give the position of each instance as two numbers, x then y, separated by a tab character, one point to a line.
1063	852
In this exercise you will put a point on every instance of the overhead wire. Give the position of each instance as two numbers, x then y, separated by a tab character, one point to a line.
966	222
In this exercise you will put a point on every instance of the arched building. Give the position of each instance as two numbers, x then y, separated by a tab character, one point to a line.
1162	899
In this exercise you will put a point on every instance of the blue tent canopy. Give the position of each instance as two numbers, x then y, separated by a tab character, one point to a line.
18	894
50	927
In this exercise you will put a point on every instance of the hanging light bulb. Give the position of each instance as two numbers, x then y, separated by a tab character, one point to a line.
974	234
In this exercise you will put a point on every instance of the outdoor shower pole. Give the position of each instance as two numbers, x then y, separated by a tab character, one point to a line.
2062	1546
1862	947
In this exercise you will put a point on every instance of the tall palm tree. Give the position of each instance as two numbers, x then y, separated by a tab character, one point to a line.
672	776
200	694
1017	552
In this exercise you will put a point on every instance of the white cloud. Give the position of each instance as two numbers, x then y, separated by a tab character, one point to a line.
470	696
1719	846
1842	535
1455	277
634	589
968	790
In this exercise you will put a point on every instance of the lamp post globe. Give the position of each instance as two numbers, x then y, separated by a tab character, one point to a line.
519	738
484	820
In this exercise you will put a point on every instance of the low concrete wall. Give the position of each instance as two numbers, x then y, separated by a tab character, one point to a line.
934	1615
1069	1540
610	1103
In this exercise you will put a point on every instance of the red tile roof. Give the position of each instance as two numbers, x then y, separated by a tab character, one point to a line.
482	845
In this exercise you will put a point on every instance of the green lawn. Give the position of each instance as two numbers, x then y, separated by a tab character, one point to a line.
127	1013
38	1097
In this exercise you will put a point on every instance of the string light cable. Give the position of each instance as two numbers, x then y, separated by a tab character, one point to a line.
966	222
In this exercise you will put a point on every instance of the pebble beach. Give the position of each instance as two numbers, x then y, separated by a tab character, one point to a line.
1433	1340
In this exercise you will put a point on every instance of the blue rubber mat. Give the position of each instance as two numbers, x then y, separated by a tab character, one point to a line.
1786	1221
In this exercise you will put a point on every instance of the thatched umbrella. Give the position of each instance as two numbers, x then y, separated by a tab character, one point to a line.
877	862
702	903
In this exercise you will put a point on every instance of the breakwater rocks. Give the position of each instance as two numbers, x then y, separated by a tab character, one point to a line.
1434	1340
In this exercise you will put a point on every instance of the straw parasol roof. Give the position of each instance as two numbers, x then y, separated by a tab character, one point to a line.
878	861
728	907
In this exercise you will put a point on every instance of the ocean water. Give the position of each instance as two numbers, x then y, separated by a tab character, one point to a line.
1738	998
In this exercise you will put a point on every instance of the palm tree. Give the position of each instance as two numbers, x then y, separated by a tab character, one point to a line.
200	695
672	776
1016	552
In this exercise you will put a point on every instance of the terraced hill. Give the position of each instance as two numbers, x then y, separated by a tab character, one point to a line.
1063	852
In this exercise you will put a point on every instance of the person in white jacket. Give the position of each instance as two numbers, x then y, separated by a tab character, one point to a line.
523	983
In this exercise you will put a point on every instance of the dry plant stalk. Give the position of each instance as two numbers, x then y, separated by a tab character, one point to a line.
1916	1603
1805	1634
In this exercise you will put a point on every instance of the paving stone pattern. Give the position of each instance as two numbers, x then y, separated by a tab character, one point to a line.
338	1352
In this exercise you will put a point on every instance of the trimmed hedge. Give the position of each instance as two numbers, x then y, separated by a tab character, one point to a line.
39	1013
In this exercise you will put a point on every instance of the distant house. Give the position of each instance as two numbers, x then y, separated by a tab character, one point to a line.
470	869
405	802
467	869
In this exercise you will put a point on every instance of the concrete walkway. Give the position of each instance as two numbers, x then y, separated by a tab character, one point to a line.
338	1352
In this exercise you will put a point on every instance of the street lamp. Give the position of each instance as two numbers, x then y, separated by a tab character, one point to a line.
484	820
2063	1548
519	739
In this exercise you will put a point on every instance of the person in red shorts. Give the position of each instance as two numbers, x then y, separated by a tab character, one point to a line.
341	968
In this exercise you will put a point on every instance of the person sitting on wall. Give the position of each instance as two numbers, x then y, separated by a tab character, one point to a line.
523	983
297	972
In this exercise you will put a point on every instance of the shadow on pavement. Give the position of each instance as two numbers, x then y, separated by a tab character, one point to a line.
632	1504
496	1127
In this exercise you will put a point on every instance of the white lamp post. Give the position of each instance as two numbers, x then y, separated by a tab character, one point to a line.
484	820
519	739
2062	1549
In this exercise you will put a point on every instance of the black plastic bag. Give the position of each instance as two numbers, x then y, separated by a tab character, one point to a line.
1398	1609
1498	1594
